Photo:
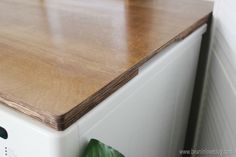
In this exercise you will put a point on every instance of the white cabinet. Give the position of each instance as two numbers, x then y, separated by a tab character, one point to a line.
146	117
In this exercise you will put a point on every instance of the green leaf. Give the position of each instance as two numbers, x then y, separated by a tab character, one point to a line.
96	148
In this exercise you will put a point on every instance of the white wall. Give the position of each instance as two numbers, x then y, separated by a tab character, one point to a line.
218	113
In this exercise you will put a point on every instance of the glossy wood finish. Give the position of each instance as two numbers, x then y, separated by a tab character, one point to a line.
60	58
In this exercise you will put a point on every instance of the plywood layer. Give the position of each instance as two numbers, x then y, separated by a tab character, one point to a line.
60	58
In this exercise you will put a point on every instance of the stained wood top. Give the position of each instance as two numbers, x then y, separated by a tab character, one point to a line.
60	58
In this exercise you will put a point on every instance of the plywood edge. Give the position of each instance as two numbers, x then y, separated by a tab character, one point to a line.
61	122
193	27
87	105
26	109
177	38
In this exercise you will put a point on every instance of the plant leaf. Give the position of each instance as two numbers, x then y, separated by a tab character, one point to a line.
96	148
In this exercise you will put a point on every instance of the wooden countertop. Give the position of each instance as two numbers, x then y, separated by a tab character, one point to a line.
60	58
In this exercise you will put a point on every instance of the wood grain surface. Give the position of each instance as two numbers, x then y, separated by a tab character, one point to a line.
60	58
